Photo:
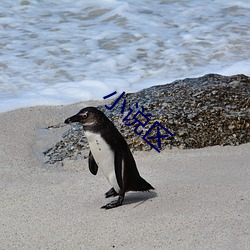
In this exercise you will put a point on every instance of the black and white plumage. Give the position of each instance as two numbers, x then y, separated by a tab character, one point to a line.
110	152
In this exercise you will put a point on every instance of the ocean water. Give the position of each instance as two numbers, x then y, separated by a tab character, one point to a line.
61	52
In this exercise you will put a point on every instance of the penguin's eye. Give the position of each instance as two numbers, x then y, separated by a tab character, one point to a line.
84	115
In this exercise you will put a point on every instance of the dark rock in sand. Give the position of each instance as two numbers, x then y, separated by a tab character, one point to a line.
199	112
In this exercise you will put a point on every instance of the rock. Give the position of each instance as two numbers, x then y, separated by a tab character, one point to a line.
199	112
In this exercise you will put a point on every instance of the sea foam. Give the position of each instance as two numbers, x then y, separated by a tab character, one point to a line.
63	52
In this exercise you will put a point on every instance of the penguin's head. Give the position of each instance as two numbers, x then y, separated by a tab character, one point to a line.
88	117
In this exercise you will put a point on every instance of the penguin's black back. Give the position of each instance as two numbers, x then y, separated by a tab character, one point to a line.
132	180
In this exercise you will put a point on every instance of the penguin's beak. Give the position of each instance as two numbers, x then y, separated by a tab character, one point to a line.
74	118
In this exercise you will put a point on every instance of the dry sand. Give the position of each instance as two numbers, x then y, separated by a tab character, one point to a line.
201	201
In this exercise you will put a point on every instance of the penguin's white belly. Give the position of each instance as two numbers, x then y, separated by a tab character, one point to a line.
104	157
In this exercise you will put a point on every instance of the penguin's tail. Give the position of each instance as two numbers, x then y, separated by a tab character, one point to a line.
141	185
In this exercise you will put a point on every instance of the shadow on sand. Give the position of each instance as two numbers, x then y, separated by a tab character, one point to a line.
138	198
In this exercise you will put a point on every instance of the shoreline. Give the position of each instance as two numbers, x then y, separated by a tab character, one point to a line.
201	198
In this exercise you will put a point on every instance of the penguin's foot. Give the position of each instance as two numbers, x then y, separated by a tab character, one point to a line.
113	204
111	193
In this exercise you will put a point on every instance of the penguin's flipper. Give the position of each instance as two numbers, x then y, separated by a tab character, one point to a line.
93	167
118	166
111	193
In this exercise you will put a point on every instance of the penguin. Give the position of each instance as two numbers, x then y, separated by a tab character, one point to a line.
110	152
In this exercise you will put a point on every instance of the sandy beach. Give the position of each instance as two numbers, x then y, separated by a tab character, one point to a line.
201	198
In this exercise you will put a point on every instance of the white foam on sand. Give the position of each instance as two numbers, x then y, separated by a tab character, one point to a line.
64	52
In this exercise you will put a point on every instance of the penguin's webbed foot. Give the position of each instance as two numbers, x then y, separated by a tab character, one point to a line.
111	193
113	204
